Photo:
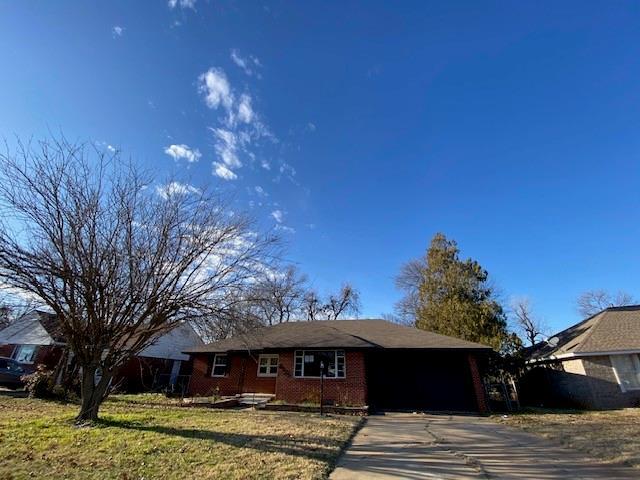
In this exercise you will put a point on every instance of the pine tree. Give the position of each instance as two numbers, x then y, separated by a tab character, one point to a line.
455	298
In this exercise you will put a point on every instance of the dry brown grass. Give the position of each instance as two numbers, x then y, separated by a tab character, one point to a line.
38	440
608	435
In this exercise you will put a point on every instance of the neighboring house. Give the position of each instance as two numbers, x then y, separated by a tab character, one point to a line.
366	362
36	339
593	364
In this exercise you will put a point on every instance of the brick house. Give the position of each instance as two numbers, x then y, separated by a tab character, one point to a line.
593	364
36	339
365	362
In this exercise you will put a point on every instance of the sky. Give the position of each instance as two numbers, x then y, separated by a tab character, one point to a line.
357	130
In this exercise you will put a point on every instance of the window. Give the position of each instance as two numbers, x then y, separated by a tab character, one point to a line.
268	365
627	370
219	368
309	362
24	353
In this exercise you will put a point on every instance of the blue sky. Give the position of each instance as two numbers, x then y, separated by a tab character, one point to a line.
366	126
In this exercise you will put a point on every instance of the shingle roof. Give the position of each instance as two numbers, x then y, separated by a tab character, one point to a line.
35	328
613	329
363	334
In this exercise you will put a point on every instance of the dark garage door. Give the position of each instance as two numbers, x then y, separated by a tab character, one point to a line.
404	380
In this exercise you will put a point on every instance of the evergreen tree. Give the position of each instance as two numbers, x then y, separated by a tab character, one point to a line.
455	298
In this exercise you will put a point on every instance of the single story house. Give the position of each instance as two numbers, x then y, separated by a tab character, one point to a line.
36	339
365	362
593	364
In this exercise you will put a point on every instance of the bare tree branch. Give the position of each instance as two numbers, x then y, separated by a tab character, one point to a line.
593	301
118	263
531	326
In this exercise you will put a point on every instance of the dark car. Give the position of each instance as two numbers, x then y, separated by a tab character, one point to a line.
10	373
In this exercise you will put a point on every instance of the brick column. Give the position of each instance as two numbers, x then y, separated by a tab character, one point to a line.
481	398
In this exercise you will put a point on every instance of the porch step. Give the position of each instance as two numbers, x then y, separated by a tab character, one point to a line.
255	399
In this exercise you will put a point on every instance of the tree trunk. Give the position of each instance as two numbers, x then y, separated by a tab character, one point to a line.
92	393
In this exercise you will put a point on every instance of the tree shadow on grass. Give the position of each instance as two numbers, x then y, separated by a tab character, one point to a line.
310	447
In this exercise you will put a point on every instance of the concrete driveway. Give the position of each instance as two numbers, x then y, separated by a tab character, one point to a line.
461	447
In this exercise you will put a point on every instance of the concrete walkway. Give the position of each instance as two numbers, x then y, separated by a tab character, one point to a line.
460	447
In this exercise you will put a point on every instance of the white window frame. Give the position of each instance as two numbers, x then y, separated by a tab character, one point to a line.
214	364
18	349
636	364
268	357
303	353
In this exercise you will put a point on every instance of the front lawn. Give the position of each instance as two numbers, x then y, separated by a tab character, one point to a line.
132	441
608	435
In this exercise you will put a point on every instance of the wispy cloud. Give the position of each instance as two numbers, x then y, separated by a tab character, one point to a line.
245	111
248	65
175	188
182	4
260	191
278	215
221	170
239	131
226	147
117	31
286	229
183	151
215	86
311	127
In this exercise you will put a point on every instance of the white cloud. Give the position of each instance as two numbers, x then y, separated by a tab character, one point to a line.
278	215
183	151
227	147
247	64
260	191
311	127
182	4
245	112
215	86
175	188
220	170
117	31
284	228
111	148
240	132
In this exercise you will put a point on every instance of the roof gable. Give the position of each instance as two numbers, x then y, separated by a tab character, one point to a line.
35	328
613	329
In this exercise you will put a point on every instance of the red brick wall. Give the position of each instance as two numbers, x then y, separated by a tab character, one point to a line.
241	377
45	355
351	390
481	399
6	350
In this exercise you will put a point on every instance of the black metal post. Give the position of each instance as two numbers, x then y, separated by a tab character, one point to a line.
321	387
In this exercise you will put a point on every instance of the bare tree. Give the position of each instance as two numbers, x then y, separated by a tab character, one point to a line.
531	326
13	305
118	262
408	281
593	301
278	295
312	306
346	301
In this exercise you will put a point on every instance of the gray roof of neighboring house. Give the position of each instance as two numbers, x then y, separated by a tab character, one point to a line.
611	330
42	328
364	334
35	328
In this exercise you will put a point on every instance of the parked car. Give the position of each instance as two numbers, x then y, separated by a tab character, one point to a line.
10	373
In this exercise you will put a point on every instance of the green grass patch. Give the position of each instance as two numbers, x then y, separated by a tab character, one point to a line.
133	440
